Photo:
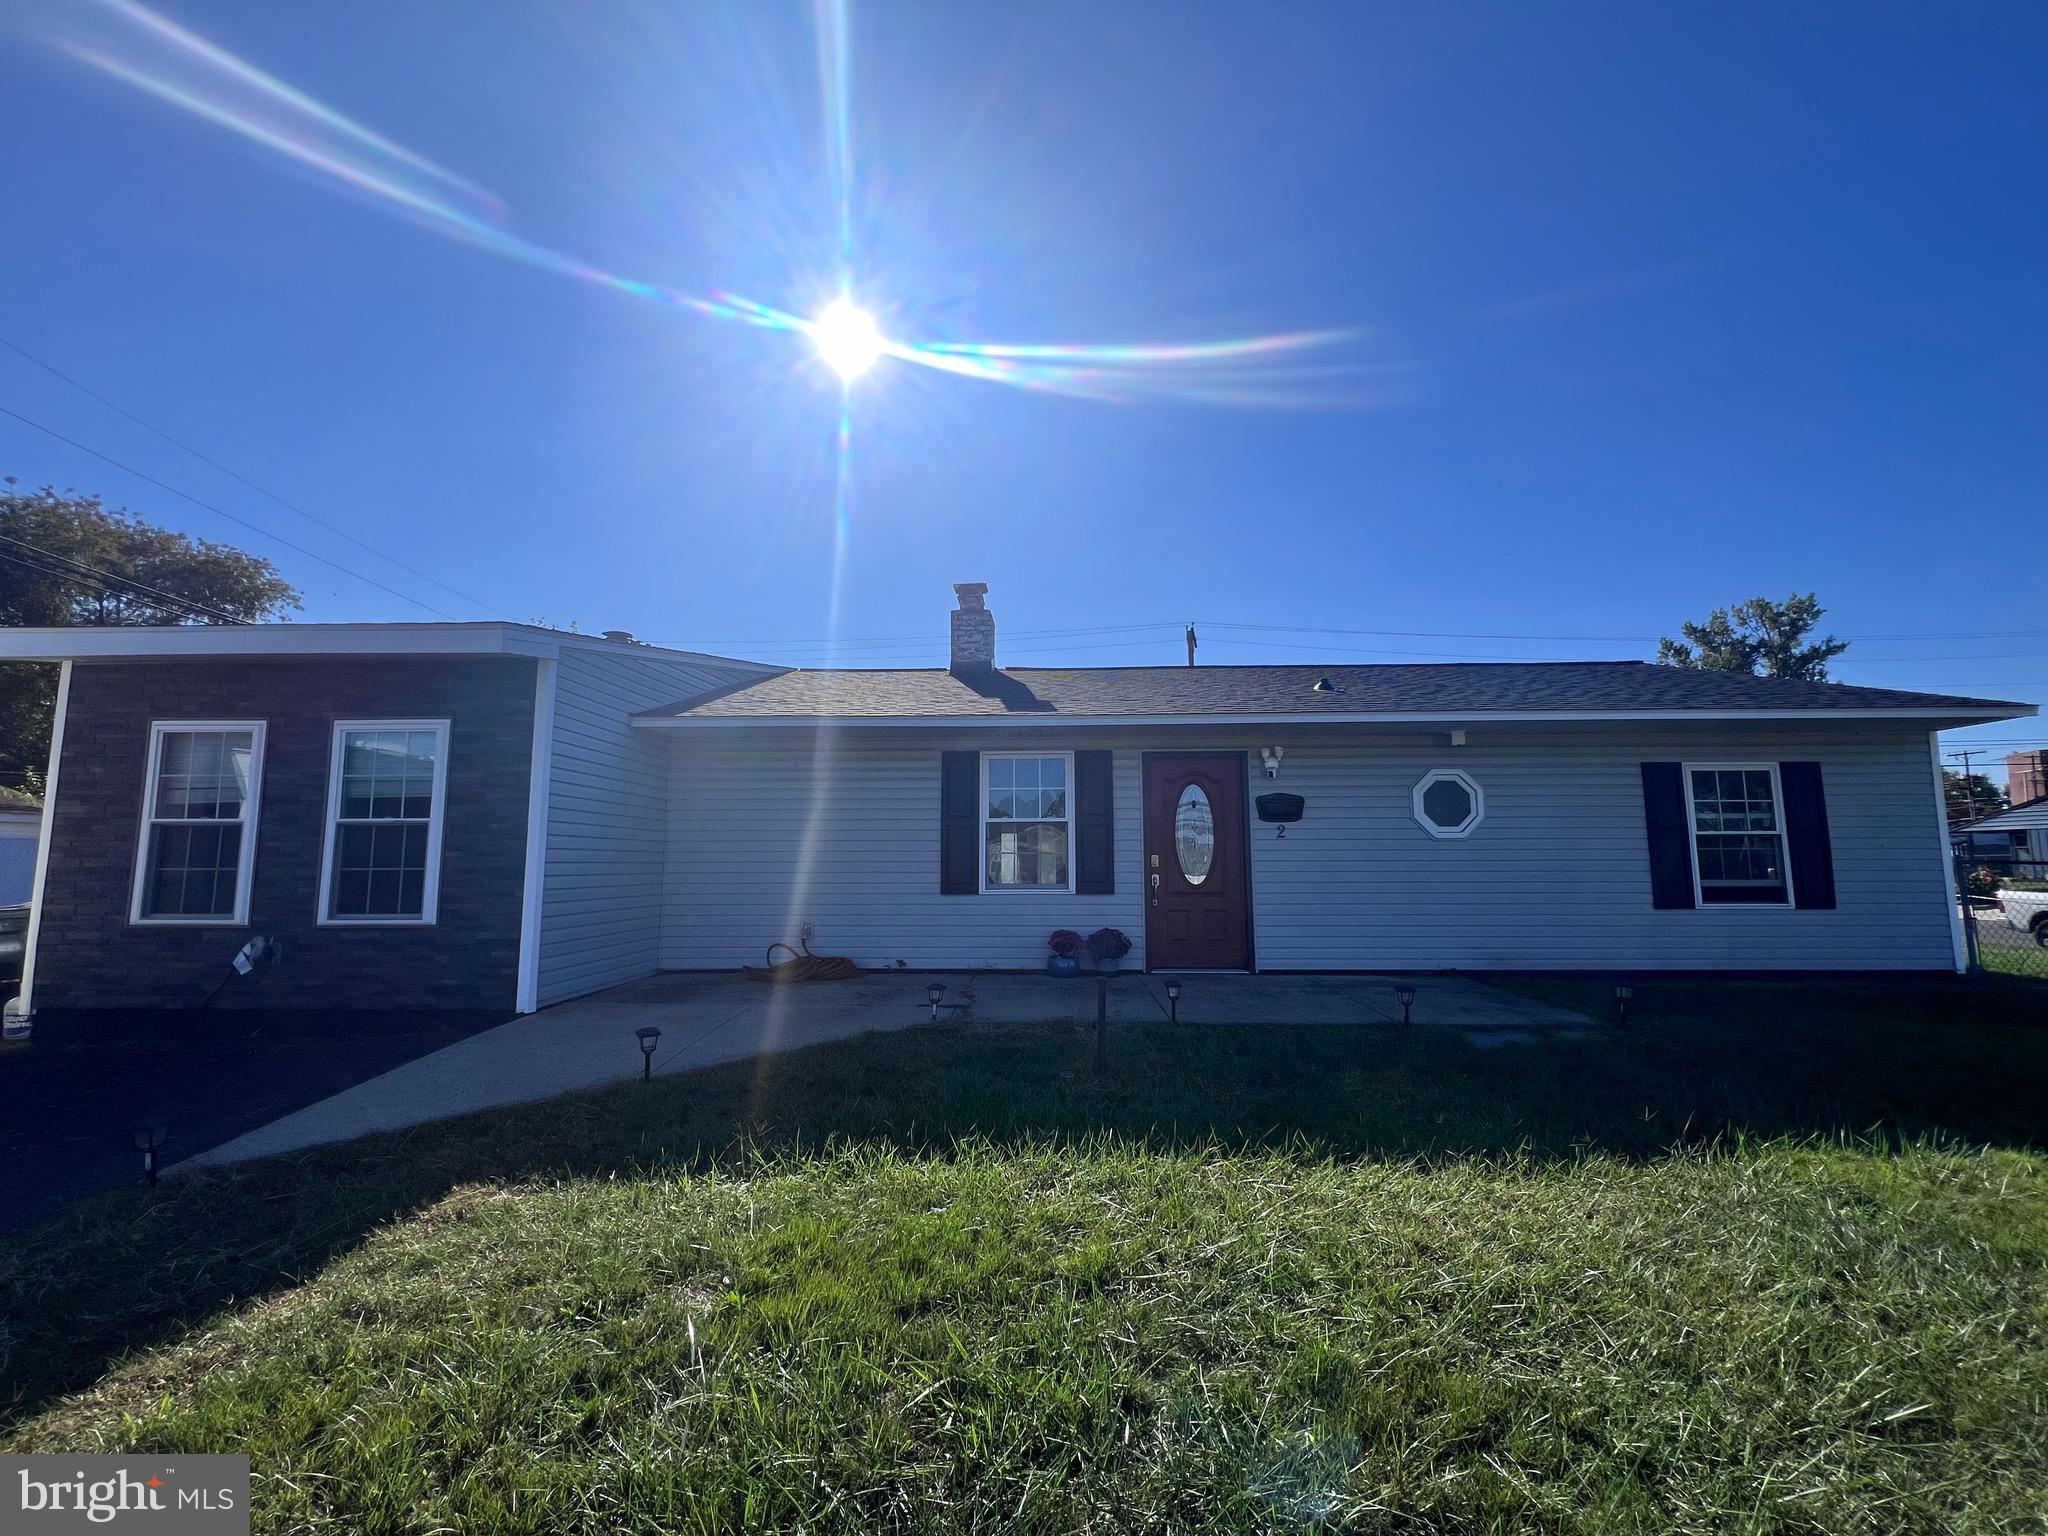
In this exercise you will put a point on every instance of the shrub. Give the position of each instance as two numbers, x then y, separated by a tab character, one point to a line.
1107	944
1064	941
1982	881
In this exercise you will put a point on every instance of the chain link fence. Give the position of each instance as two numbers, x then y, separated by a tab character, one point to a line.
2005	914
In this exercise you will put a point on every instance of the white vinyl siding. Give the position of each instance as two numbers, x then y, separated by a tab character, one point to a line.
607	819
1555	876
773	833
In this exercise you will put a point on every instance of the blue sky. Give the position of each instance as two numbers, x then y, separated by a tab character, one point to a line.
1658	308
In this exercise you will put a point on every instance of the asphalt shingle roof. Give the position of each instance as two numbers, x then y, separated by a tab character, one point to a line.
2021	818
1198	692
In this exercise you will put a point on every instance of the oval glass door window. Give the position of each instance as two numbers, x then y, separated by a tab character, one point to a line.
1194	834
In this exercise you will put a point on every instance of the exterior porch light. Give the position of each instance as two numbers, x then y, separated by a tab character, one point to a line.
1621	997
932	995
649	1038
1173	1002
1405	996
150	1136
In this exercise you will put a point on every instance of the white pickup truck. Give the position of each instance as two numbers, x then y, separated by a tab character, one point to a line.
2025	910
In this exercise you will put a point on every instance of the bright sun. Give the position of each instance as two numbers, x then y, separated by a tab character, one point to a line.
847	339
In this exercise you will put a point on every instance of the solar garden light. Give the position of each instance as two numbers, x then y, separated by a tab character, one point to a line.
932	994
1405	996
1621	997
1173	1002
149	1136
650	1037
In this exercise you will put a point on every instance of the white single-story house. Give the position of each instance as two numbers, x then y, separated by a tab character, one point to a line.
500	816
2019	834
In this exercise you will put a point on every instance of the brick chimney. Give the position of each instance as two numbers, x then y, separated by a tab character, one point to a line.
974	630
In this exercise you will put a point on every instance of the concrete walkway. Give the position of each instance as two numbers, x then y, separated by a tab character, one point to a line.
707	1018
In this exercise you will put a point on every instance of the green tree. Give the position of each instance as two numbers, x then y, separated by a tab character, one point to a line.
1971	795
68	559
1759	636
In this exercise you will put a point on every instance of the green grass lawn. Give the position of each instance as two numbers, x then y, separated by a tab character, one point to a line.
2004	951
1776	1258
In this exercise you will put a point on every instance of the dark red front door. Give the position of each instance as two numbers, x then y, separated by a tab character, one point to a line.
1197	901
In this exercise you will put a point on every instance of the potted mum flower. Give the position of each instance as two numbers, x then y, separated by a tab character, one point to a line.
1065	945
1107	948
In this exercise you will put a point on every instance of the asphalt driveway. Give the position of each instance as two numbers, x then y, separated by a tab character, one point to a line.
69	1098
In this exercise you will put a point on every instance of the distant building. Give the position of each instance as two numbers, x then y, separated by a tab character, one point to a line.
2026	776
21	825
2019	834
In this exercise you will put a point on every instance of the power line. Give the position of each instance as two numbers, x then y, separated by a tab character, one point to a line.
1880	661
919	641
1420	634
1444	634
927	638
196	501
87	580
214	463
101	581
141	587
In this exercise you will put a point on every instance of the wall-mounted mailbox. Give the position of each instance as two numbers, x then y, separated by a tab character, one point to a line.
1279	807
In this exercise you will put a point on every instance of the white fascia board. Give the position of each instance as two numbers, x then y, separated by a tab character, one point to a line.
1466	717
176	641
246	641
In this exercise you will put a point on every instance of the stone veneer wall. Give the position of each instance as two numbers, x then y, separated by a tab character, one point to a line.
90	956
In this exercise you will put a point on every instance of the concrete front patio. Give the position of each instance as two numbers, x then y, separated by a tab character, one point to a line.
707	1018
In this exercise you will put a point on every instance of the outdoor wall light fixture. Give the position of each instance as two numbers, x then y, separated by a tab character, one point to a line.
1621	997
932	994
1405	996
1173	1002
1271	756
150	1135
649	1038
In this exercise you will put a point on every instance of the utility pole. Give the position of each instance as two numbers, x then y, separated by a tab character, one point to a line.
1191	645
1969	788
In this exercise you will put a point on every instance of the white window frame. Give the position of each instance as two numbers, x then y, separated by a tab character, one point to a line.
1437	776
430	895
982	812
245	863
1692	833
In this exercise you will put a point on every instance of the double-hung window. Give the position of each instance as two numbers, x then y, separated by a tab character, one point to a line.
198	849
1027	821
1738	834
386	794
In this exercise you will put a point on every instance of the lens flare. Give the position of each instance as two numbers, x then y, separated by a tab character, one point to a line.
847	339
128	42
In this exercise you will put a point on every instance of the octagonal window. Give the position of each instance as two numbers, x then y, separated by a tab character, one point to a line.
1448	803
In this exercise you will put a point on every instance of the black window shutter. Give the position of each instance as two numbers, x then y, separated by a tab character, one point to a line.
1806	834
1670	843
1094	825
959	823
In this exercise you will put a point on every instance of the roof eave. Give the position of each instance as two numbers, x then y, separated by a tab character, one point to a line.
196	642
